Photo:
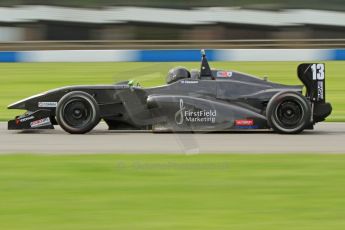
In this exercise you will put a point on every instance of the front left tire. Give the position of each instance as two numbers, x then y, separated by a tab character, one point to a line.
77	112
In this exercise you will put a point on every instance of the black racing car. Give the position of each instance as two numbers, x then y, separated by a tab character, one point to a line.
206	100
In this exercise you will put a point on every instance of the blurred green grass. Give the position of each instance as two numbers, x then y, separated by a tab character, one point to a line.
172	192
20	80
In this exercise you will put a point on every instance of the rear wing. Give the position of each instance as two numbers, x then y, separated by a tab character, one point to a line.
313	77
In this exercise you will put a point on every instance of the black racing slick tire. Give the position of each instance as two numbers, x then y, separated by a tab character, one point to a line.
77	112
288	113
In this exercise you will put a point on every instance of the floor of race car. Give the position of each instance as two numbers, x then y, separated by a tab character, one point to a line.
327	137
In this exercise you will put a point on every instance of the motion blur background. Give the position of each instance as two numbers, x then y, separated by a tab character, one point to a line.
118	20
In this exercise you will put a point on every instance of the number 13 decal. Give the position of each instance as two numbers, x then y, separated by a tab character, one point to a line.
318	71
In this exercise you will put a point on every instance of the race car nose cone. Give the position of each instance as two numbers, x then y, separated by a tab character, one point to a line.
21	104
17	105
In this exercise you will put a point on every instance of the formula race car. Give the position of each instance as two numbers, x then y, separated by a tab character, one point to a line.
205	100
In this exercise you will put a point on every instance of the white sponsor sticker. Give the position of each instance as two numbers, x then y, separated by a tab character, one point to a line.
200	116
320	90
40	123
47	104
189	82
26	119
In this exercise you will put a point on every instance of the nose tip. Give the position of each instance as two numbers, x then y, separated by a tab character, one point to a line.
17	105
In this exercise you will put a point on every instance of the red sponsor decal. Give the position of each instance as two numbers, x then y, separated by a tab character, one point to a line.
224	74
17	121
244	122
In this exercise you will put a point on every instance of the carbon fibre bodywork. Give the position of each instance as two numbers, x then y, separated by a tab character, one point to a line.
210	100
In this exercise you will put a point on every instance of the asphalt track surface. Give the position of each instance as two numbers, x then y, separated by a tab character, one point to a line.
325	138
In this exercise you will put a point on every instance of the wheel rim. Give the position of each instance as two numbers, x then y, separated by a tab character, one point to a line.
77	113
289	114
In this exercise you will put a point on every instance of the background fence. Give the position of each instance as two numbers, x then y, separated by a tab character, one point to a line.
175	55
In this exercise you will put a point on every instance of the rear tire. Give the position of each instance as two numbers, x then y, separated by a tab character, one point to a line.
288	113
77	112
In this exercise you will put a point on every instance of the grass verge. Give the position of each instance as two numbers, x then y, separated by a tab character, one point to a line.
172	192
